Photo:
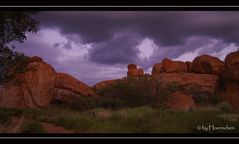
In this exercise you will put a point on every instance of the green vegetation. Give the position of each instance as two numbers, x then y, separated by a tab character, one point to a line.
32	127
225	107
132	92
13	27
127	120
4	116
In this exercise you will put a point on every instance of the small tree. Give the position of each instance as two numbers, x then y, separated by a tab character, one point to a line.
13	27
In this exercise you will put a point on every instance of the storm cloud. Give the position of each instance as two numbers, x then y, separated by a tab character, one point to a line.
166	28
96	41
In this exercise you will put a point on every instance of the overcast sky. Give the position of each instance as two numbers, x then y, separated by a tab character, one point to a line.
98	45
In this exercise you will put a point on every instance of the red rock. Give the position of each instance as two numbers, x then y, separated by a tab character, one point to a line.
200	82
34	59
15	96
231	94
157	68
135	73
34	88
104	84
68	82
207	64
189	65
67	96
232	66
174	66
179	101
132	67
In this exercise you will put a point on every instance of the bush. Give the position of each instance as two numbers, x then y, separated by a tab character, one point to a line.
32	127
11	63
4	116
131	92
225	107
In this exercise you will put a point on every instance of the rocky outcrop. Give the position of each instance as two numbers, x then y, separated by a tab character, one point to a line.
68	82
34	59
170	66
133	71
104	84
132	67
179	101
158	68
34	88
207	64
189	65
66	96
231	94
232	66
189	81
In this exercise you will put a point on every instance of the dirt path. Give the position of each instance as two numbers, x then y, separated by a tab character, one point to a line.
51	128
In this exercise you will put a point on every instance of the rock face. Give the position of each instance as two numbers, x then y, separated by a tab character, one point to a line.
66	96
157	68
189	65
189	81
174	66
15	96
104	84
232	66
67	82
179	101
206	64
231	94
132	67
34	59
34	88
133	71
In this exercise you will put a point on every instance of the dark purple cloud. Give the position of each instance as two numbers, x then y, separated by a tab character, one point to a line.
98	45
166	28
121	48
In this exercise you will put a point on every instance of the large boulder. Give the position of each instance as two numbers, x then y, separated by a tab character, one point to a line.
189	65
157	68
67	96
133	71
207	64
231	94
170	66
132	67
104	84
179	101
34	88
232	66
189	81
16	96
68	82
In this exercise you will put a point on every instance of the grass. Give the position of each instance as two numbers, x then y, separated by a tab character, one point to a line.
142	119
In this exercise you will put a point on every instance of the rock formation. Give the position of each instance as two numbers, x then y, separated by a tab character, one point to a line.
232	66
68	82
206	64
179	101
34	88
39	86
104	84
157	68
133	71
189	81
170	66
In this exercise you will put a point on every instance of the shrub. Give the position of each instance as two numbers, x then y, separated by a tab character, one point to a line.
225	107
4	116
32	127
131	92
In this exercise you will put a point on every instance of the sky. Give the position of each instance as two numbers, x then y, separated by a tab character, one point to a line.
98	45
